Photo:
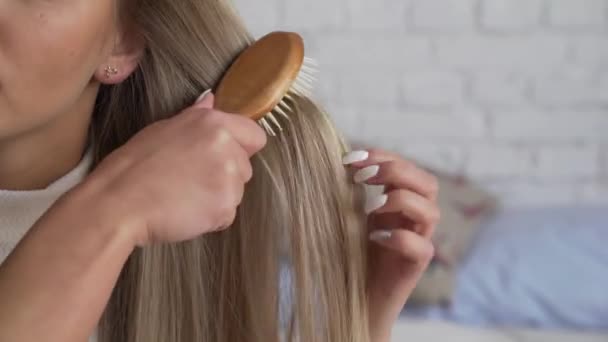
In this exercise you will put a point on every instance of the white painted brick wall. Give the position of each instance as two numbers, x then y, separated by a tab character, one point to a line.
443	15
567	163
510	15
513	93
573	86
604	163
440	156
496	162
433	88
578	14
591	51
496	88
535	126
377	14
532	54
313	14
360	53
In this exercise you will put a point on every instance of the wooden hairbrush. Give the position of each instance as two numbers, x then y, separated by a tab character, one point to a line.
263	76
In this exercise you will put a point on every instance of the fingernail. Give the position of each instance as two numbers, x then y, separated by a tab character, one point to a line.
375	203
380	235
366	173
205	93
354	157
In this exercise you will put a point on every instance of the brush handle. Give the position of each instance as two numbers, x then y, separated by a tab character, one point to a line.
261	76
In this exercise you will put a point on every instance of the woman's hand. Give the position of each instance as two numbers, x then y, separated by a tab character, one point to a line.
181	177
173	181
401	224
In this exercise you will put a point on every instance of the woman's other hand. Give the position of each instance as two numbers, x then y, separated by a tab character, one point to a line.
401	223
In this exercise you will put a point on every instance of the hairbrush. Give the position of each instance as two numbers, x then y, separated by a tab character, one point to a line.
262	81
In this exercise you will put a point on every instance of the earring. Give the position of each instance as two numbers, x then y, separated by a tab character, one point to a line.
111	71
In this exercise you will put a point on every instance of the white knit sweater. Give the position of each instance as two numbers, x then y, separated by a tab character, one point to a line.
19	210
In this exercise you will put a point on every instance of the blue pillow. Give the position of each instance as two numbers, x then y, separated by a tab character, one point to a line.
543	268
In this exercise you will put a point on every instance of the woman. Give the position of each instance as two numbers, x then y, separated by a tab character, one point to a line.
103	85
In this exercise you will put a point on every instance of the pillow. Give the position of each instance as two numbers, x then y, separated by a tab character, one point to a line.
424	330
542	268
464	206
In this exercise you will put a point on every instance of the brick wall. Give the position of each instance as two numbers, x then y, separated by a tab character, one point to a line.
513	93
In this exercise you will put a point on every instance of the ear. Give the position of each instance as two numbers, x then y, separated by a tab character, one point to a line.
123	60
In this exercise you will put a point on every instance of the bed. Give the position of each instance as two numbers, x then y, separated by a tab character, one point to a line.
409	330
540	273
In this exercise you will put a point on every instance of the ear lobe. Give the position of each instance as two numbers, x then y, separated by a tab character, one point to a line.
116	72
122	63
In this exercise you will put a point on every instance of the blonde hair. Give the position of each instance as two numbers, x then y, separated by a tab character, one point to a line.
300	212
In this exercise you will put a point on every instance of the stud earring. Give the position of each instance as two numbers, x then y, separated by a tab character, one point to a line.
111	71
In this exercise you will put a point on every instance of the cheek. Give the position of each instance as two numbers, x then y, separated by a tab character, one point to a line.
51	57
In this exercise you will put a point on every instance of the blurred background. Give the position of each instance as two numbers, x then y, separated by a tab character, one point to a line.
507	102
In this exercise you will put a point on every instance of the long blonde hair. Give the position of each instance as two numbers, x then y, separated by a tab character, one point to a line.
292	266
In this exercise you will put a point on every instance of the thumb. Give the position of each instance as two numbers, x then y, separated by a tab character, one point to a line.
205	100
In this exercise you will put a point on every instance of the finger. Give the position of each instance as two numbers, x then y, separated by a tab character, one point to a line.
399	174
206	100
363	158
246	132
243	164
422	181
234	197
391	221
411	205
407	244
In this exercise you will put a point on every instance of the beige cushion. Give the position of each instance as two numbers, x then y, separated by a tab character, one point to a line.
463	207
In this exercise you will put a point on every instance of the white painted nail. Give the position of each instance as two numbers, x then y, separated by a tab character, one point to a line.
380	235
375	203
200	98
354	157
366	173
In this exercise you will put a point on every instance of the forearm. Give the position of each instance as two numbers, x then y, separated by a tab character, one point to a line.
383	313
56	283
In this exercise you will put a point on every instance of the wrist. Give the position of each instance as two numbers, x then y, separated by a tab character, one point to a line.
106	210
380	323
379	334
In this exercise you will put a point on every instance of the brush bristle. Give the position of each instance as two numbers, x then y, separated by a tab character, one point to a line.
301	87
